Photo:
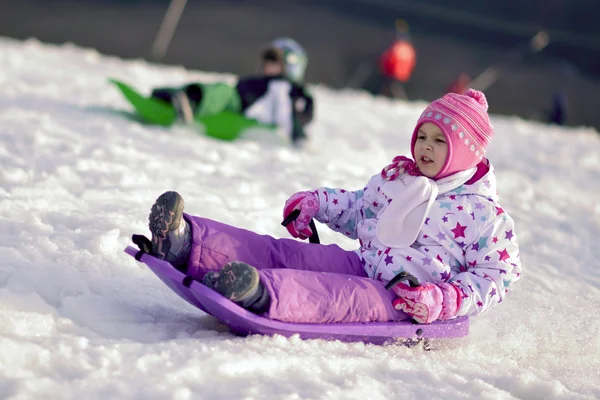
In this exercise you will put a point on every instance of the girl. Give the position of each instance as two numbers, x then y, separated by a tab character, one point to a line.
437	218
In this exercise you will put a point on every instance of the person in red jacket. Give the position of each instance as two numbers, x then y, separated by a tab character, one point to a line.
397	63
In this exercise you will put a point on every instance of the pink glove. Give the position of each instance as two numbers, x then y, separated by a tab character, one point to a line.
308	204
428	302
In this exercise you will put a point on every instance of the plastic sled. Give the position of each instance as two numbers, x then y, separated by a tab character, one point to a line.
225	125
243	323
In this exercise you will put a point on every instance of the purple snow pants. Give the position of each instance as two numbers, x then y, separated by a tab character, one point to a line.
308	283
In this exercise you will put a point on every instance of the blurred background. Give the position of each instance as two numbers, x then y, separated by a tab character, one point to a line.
538	59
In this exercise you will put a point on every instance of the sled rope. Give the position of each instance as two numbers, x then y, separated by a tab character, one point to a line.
314	238
402	276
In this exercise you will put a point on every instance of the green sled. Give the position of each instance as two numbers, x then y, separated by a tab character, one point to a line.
225	125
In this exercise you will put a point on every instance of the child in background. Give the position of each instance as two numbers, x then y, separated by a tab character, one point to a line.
436	217
277	96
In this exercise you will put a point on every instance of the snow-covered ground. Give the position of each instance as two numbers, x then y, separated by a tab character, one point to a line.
80	319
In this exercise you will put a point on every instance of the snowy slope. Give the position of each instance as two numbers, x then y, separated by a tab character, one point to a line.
81	319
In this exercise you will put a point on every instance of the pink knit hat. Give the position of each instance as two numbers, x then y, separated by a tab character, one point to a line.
464	120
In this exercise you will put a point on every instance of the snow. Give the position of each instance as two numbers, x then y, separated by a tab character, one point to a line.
81	319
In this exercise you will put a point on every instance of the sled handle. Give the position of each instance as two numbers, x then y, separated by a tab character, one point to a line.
412	280
314	238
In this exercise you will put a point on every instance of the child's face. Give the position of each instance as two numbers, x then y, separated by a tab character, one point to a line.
272	68
431	149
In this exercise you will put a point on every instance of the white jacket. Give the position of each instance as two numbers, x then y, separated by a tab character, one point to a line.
467	239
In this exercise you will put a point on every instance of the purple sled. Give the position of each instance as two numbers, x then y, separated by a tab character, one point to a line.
243	323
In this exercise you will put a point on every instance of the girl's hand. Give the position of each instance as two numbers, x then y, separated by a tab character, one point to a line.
428	302
308	204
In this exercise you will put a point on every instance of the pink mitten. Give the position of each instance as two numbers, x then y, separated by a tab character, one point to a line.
428	302
308	204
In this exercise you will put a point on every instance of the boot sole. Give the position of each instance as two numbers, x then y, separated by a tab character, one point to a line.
166	211
237	282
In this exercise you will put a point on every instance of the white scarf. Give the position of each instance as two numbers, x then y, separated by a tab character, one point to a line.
412	197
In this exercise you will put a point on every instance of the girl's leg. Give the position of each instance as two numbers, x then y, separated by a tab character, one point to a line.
318	297
215	244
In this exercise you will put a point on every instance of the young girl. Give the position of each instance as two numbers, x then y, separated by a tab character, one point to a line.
437	218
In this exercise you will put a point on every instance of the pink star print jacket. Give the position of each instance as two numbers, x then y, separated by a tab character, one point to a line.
467	239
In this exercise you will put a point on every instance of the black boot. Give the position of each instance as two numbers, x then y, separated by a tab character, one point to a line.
171	235
240	283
